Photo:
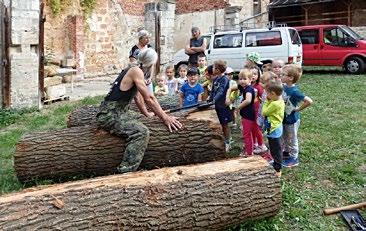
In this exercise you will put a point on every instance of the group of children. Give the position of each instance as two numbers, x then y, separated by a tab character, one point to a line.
268	102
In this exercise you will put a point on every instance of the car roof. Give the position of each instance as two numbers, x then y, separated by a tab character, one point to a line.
252	30
316	26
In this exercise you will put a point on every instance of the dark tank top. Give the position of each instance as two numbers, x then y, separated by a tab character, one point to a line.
115	94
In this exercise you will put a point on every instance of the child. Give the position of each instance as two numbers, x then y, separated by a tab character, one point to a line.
253	60
295	101
171	82
234	94
182	76
246	109
201	67
218	96
277	66
207	84
191	91
273	112
161	89
259	146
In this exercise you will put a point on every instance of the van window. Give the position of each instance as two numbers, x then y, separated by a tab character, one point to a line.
309	36
228	40
267	38
295	39
207	38
335	37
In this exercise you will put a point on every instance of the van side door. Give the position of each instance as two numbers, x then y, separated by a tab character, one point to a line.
310	46
227	46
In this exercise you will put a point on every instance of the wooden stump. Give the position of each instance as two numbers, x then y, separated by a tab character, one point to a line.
87	150
210	196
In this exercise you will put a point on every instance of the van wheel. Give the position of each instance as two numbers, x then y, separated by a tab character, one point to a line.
354	65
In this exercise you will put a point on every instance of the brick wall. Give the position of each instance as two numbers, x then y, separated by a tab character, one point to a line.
188	6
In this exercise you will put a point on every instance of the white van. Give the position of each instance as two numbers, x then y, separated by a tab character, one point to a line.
233	46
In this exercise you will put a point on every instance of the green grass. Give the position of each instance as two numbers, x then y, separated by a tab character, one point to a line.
332	170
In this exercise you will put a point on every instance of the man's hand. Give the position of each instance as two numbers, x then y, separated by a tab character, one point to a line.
172	123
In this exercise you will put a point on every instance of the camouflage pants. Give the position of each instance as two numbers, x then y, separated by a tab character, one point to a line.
124	123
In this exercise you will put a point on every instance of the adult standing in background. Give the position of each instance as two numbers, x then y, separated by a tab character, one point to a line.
143	43
196	47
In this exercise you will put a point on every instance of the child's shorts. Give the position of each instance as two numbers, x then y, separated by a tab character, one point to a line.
224	115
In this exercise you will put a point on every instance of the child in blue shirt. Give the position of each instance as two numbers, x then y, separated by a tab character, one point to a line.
220	86
295	101
191	91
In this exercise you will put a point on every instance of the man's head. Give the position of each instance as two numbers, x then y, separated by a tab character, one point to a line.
195	32
147	58
192	75
144	37
219	67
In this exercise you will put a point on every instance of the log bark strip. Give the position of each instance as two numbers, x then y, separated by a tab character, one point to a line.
210	196
87	150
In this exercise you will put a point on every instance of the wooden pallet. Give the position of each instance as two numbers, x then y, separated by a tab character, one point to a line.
54	100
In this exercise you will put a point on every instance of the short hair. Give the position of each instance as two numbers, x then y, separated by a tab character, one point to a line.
143	33
209	69
275	87
268	75
278	61
147	57
169	67
293	71
245	73
183	66
194	29
202	56
220	65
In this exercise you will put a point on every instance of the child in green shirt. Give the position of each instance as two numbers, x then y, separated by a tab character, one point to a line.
273	111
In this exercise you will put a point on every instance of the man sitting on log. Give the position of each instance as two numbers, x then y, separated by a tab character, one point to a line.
115	117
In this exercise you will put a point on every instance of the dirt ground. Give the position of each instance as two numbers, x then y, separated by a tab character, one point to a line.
89	87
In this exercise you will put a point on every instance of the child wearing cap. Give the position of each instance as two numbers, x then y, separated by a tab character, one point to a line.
191	92
253	60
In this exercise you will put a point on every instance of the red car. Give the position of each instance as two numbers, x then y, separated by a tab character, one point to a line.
333	45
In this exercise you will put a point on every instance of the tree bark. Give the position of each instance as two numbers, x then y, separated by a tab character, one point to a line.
87	150
210	196
86	115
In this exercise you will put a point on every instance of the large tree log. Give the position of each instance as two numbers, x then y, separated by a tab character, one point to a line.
87	150
210	196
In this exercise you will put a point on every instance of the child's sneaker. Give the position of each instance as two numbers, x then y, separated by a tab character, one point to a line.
290	162
260	149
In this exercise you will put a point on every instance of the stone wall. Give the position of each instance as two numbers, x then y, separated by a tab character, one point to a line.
24	86
360	30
